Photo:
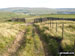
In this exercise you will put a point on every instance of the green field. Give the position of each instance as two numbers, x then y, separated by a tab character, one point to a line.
59	15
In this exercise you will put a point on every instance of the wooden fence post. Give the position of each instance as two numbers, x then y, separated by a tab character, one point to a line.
56	26
34	20
33	32
62	30
50	23
41	20
74	47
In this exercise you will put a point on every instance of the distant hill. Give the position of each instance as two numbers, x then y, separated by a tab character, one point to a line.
65	11
36	11
4	16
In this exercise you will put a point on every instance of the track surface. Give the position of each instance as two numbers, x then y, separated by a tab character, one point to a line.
16	44
19	40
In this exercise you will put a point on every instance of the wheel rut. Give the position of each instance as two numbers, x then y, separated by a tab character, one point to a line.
45	46
16	44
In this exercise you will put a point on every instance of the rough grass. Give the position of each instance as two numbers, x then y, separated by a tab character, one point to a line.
52	44
67	42
8	32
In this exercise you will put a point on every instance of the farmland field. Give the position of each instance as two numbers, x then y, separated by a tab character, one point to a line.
59	15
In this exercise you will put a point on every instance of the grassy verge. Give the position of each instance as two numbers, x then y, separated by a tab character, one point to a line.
52	44
55	38
8	32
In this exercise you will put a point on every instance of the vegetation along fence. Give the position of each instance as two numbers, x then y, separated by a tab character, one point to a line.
65	24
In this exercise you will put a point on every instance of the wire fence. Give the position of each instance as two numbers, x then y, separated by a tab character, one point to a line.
54	23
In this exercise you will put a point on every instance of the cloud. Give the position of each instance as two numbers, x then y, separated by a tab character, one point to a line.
38	3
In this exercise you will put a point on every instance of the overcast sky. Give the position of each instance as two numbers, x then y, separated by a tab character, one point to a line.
38	3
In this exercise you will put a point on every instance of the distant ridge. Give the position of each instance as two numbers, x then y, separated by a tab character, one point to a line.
36	11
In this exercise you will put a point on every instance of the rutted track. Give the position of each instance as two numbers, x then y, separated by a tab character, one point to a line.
12	50
16	44
45	46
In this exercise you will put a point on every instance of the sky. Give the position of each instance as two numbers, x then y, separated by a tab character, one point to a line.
38	3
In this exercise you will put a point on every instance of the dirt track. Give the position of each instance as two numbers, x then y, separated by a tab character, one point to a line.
16	44
45	46
19	40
